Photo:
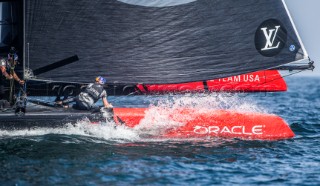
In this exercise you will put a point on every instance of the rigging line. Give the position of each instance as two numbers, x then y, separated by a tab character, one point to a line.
12	37
12	87
12	65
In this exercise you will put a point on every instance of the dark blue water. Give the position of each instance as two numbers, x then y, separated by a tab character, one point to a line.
104	156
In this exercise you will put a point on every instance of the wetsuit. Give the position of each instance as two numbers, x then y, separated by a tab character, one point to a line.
86	99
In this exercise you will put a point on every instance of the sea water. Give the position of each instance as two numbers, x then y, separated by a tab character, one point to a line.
103	155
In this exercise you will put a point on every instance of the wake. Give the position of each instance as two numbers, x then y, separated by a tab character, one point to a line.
157	120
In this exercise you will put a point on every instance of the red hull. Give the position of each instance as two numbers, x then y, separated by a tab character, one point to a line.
217	123
263	81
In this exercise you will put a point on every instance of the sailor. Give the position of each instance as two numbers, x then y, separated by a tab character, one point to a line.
86	99
8	73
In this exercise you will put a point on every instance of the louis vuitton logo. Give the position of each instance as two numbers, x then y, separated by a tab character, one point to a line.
270	35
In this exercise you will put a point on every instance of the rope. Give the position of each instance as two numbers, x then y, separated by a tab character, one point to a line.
12	66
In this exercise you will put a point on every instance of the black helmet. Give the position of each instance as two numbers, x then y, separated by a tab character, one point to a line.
13	50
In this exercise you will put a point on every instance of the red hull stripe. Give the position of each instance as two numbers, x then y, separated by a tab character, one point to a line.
263	81
214	123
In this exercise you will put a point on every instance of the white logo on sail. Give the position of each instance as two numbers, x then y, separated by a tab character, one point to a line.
270	35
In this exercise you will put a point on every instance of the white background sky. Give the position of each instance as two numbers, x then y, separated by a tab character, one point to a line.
306	15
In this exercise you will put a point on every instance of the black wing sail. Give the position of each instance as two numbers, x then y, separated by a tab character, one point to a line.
130	44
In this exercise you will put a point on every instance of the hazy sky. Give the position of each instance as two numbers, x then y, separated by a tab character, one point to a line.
306	15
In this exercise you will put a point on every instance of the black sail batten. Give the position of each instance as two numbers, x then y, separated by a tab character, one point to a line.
56	65
131	44
39	87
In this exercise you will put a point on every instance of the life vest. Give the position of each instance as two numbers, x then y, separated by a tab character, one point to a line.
94	91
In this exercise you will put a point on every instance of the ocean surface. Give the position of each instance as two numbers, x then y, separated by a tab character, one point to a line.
77	155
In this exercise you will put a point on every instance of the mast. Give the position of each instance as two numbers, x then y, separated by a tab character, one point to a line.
24	39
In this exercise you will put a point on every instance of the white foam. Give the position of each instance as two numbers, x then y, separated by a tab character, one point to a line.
159	118
163	113
215	101
105	131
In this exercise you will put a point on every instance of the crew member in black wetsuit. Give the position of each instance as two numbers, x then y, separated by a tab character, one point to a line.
86	99
8	73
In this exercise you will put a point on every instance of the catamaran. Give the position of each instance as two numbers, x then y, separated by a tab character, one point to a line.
150	47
